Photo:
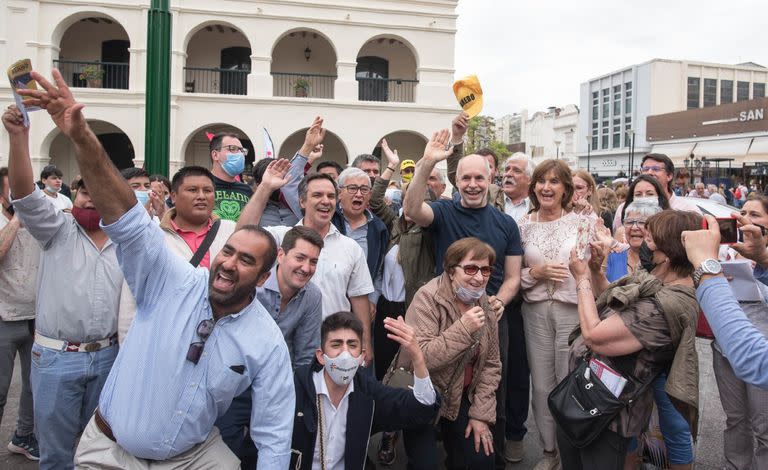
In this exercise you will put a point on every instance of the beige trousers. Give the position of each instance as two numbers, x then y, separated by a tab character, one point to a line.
547	327
97	451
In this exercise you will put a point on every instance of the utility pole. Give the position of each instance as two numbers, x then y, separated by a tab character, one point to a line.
158	90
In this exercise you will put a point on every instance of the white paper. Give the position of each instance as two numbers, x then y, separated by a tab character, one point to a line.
742	280
609	377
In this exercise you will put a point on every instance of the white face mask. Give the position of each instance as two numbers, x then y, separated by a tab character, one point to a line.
342	368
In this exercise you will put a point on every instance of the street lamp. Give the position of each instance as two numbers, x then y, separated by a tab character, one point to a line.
632	155
557	144
589	147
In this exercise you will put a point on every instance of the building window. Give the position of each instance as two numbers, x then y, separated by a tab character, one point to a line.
594	142
617	107
627	133
594	125
693	92
595	103
710	92
627	97
604	145
742	91
758	90
616	140
726	91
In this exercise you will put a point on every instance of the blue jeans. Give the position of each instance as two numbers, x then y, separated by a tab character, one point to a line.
66	388
674	428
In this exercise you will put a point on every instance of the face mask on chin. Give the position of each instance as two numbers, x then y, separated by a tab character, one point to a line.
86	218
51	189
342	368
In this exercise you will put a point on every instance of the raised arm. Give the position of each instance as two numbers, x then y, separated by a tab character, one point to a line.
376	203
20	176
459	127
110	194
413	204
311	150
274	178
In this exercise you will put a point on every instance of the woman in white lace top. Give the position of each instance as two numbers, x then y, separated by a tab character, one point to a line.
548	233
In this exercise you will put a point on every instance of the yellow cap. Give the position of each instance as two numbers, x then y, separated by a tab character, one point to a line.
469	94
407	163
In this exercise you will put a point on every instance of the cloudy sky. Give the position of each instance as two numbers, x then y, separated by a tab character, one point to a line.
535	54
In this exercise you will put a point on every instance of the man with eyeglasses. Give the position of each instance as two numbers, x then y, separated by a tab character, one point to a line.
199	337
228	156
660	167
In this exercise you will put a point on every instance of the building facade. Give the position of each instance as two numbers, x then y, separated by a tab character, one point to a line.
546	134
382	68
616	106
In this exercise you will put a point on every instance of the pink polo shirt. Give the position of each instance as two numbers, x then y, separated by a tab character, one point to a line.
194	240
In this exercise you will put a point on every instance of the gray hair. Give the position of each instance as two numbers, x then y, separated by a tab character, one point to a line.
352	172
520	156
365	157
645	208
440	174
711	188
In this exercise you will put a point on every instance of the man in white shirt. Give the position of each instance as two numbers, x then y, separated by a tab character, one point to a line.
338	409
518	170
51	179
342	271
715	195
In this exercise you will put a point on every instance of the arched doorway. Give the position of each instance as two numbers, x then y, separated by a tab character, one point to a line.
94	54
197	151
409	145
218	60
386	70
333	147
303	65
115	142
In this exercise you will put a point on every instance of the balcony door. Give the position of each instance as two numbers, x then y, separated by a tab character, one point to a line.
235	63
115	51
372	74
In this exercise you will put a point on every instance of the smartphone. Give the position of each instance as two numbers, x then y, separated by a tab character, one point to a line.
729	233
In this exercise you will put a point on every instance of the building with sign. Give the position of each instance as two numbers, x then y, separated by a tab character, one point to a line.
720	143
616	106
374	69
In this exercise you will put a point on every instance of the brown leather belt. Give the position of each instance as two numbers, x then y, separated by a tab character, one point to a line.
103	426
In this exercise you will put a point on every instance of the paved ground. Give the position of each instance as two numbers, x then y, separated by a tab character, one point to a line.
708	449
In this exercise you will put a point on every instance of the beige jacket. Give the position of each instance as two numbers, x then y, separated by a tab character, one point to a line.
127	308
445	343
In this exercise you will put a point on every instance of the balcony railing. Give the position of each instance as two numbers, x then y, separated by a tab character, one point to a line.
114	75
304	85
386	89
216	81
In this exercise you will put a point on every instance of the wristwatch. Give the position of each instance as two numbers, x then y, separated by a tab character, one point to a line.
708	266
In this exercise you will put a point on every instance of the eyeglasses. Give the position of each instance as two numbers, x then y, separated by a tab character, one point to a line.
234	149
653	168
472	269
634	222
352	189
195	350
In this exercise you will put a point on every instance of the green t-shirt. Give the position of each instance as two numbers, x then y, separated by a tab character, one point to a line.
230	198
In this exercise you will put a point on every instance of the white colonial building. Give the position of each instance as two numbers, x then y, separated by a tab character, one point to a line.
616	107
373	69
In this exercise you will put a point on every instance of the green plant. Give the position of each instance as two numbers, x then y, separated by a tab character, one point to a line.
301	83
91	72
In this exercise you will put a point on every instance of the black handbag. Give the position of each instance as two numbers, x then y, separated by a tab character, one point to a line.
583	407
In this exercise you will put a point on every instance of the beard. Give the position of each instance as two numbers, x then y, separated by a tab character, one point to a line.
228	299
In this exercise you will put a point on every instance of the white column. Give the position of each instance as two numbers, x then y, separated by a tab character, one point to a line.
346	85
260	79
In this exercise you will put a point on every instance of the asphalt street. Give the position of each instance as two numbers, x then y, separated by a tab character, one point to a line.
709	448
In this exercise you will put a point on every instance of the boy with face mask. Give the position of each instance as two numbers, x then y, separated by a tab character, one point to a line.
337	409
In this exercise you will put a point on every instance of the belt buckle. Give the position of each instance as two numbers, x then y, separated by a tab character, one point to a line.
92	347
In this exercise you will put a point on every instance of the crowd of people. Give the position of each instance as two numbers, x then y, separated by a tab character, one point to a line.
205	322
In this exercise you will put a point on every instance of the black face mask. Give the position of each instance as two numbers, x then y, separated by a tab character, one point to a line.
646	257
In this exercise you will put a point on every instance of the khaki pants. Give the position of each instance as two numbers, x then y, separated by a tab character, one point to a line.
97	451
547	327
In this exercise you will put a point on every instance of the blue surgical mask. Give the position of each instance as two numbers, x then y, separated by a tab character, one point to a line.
469	295
234	165
142	196
51	189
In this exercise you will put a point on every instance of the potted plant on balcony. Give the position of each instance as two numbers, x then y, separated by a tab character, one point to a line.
301	87
92	74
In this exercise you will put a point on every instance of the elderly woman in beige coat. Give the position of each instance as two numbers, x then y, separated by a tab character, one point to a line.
458	333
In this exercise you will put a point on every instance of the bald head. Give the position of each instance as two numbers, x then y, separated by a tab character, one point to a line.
472	180
474	161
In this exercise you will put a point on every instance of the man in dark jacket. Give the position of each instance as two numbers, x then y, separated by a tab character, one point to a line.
337	410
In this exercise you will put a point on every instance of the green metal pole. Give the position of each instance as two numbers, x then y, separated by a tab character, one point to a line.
158	101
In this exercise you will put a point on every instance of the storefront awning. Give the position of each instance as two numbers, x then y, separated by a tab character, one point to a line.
727	148
758	152
676	152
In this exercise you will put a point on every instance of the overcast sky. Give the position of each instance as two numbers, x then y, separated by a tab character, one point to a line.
534	54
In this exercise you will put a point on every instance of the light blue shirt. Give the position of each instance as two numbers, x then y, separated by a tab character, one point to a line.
158	403
743	344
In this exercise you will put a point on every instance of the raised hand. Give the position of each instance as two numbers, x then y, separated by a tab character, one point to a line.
459	126
13	121
315	154
392	158
314	136
57	99
473	319
276	175
579	267
435	150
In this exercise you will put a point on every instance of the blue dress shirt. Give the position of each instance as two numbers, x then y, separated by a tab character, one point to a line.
158	403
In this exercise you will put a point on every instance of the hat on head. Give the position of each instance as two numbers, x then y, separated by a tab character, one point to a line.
469	94
407	164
